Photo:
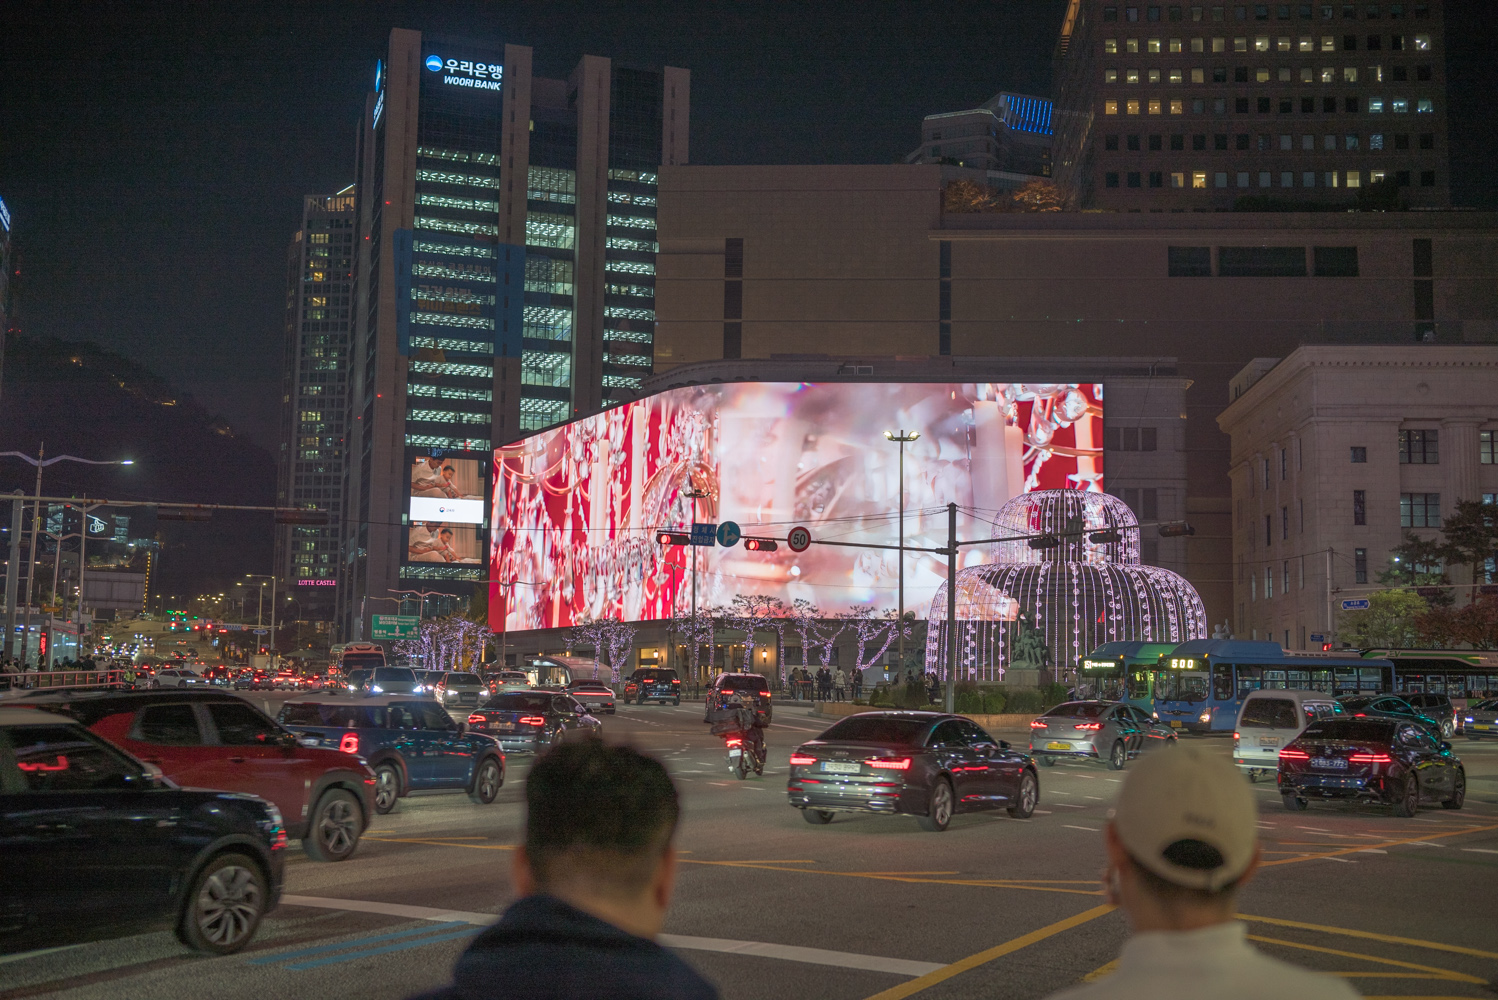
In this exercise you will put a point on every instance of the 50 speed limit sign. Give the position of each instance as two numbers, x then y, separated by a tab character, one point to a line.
799	539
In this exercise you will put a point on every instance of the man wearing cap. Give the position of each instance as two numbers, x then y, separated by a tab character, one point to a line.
1181	842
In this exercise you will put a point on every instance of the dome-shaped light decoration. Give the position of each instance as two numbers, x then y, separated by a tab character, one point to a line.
1050	604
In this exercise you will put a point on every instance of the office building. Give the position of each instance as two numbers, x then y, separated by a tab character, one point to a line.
1204	107
8	272
1007	138
314	398
505	282
1337	454
781	263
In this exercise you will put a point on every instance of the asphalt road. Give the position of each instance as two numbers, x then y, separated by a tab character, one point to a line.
771	908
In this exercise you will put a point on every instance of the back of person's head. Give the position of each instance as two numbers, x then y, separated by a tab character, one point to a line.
599	817
1188	823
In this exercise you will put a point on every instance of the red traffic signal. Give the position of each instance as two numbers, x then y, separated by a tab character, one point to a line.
673	538
761	544
300	515
1176	529
183	514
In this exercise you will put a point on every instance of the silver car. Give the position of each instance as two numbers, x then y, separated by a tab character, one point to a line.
1096	730
1480	719
459	689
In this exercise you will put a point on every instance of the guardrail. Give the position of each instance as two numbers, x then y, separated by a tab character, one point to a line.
76	680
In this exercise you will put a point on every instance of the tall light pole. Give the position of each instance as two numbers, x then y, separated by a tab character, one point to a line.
41	462
694	495
272	578
902	438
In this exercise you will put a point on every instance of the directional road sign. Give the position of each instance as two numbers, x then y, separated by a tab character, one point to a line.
729	534
262	631
1355	604
799	539
704	533
394	626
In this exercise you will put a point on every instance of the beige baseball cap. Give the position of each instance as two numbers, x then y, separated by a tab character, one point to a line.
1187	815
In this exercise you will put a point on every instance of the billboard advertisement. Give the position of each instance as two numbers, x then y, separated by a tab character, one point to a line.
576	508
447	490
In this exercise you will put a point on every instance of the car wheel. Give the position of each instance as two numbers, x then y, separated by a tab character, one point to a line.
940	815
1293	802
1409	799
1117	756
387	788
1448	729
333	833
816	817
223	906
1046	760
676	702
1458	791
1027	797
487	782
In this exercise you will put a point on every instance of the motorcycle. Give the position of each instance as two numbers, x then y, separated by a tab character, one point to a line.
743	755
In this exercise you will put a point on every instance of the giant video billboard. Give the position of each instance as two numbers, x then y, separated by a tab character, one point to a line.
576	508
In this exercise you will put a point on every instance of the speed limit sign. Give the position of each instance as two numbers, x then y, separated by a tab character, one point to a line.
799	539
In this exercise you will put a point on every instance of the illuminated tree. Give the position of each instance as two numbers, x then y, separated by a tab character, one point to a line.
867	629
619	637
747	612
588	633
1036	196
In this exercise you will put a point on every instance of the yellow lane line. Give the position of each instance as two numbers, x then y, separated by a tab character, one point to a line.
1379	845
983	957
1386	975
444	843
1370	936
1106	969
1461	977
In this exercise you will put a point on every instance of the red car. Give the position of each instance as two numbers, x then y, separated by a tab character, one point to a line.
213	739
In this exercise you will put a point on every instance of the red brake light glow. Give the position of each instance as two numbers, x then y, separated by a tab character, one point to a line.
1289	754
1037	724
797	758
349	743
533	720
1088	725
902	764
734	741
1371	758
476	720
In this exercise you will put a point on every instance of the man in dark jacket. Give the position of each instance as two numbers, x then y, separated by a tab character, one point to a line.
595	875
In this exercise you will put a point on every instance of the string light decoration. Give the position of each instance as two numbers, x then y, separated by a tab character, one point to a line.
1060	601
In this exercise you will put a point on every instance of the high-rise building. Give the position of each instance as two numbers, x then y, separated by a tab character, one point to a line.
7	286
314	397
1201	107
1008	137
487	308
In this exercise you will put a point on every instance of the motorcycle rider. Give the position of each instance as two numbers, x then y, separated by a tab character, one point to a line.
750	727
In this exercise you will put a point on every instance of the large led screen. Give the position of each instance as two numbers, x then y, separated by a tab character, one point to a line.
576	508
446	490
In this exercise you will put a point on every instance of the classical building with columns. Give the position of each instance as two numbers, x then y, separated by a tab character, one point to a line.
1337	453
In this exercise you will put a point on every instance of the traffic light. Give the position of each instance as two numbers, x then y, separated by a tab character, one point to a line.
761	544
183	514
1045	542
673	538
1105	537
1175	529
298	515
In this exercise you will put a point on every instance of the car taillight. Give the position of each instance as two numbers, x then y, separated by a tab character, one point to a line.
764	694
902	764
678	682
280	839
797	758
1360	715
533	720
1235	736
1371	758
1288	754
1037	724
476	720
349	743
1088	725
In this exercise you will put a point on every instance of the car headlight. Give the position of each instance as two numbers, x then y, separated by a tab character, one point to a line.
1205	716
377	689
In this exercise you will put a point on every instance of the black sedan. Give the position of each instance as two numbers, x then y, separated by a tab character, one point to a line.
97	845
923	764
1378	760
1390	706
534	721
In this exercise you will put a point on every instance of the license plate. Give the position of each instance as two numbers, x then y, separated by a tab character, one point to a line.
842	766
1329	763
1058	746
1175	723
1269	741
735	753
507	727
1481	725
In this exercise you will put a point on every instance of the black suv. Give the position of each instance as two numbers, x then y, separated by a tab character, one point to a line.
1390	706
98	845
752	689
652	684
1438	707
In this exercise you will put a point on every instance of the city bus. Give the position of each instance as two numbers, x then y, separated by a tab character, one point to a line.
1123	671
1200	685
359	656
1456	673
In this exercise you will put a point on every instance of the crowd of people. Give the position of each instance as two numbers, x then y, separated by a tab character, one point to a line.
825	684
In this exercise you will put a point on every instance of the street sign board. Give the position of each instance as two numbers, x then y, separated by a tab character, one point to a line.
1355	604
394	626
1318	637
704	533
729	534
262	631
799	539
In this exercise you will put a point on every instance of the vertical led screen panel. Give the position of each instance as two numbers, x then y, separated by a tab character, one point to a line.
576	508
446	513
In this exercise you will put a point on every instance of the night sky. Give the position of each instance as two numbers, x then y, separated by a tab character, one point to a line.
154	156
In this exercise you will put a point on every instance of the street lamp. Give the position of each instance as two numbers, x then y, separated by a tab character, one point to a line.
272	578
901	437
40	462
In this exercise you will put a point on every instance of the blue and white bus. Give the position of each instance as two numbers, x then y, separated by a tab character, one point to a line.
1123	671
1200	685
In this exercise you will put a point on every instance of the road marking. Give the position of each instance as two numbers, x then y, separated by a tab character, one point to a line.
451	918
1449	974
318	963
1089	829
1478	850
1370	936
1106	969
1372	850
1344	861
946	972
1387	843
1044	812
355	943
1068	805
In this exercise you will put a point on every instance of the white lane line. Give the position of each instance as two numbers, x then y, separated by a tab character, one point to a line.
1345	861
1374	850
759	949
1043	812
1478	850
1069	805
1089	829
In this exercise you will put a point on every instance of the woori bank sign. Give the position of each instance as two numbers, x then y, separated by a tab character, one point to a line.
467	73
575	509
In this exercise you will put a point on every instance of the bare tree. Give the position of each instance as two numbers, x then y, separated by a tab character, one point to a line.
696	631
825	632
619	636
588	633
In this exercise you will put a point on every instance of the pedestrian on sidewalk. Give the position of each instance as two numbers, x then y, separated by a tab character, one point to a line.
1182	842
839	682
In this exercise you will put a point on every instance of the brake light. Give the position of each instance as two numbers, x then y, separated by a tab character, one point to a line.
476	720
349	743
533	720
902	764
764	694
1371	758
676	682
797	758
1360	715
1088	725
1288	754
734	741
1235	736
1037	724
280	839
